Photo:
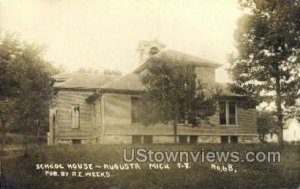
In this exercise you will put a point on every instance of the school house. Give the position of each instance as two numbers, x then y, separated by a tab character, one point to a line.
94	108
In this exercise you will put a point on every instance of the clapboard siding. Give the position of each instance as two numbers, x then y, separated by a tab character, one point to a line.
65	99
109	117
206	74
117	109
117	120
247	117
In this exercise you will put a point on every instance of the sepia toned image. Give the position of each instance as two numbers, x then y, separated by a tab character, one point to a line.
134	94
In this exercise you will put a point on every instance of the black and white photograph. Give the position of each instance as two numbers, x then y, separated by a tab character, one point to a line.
149	94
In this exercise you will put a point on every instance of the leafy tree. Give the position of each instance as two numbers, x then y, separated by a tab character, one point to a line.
25	84
267	61
265	122
173	94
105	72
9	50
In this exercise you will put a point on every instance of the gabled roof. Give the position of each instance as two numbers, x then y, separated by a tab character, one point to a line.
81	80
129	82
178	56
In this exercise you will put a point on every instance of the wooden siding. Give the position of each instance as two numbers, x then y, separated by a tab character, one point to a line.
247	117
205	74
110	116
117	121
65	99
117	109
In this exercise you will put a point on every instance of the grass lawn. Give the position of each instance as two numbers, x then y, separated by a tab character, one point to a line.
21	172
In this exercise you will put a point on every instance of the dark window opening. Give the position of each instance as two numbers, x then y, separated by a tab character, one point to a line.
222	113
193	139
231	113
227	113
135	114
234	139
136	139
153	51
148	139
76	141
224	139
75	116
183	139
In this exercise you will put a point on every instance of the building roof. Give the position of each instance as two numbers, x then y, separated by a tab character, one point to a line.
132	82
226	90
178	56
129	82
81	80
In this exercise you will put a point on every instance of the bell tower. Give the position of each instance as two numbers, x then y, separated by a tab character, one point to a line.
147	49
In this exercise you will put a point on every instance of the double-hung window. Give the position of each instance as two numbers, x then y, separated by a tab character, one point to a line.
228	113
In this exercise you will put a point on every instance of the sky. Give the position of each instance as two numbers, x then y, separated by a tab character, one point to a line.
104	34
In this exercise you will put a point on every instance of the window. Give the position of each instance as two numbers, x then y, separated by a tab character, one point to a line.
224	139
193	139
75	116
232	118
136	139
142	139
148	139
227	113
234	139
183	139
135	114
76	141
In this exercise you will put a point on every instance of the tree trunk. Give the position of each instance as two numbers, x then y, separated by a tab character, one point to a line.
175	131
2	178
25	137
3	138
3	132
279	111
38	133
25	145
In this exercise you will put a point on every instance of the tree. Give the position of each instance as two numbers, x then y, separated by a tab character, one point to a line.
25	83
173	94
265	122
112	72
267	61
9	50
105	72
